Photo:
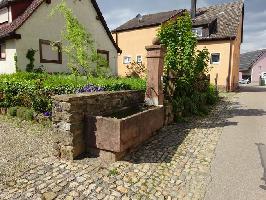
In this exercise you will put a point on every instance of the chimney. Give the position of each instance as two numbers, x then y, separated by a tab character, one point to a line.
193	8
139	17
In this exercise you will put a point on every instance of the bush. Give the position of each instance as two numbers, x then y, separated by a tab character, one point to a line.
12	111
34	90
25	113
28	115
212	95
21	112
186	84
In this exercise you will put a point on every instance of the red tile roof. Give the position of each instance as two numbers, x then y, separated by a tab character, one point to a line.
148	20
8	30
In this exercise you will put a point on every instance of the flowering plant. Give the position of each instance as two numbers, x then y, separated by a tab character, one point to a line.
90	88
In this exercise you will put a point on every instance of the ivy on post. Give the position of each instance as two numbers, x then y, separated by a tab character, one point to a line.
185	70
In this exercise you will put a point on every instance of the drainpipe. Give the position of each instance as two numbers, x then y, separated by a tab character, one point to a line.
228	86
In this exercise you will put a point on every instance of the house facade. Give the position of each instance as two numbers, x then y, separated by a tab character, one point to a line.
219	28
252	65
27	24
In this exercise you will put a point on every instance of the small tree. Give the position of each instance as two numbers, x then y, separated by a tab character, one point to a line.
79	45
184	65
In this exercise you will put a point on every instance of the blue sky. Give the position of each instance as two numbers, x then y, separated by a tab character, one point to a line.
117	12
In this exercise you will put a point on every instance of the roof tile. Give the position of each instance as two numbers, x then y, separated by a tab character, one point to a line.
147	20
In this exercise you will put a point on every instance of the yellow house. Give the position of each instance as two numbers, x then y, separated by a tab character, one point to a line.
219	28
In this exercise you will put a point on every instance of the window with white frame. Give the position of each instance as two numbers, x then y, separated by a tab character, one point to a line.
127	60
139	59
215	58
2	51
197	31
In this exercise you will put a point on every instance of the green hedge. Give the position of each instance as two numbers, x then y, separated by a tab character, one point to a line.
34	90
21	112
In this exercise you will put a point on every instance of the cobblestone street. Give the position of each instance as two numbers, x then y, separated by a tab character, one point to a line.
174	164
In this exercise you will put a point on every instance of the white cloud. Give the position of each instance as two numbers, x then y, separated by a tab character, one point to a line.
254	41
117	17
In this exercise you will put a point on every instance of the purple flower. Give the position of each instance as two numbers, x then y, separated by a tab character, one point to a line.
90	88
47	114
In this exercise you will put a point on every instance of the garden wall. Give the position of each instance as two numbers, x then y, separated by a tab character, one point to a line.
71	112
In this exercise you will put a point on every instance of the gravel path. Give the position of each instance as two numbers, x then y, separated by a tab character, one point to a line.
174	164
21	145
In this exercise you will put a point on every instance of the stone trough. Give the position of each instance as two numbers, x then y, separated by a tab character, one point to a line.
112	136
105	124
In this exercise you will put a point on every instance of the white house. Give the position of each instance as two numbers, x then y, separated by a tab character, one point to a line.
26	24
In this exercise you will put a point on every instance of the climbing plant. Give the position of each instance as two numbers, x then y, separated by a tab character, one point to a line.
185	82
79	45
30	56
16	62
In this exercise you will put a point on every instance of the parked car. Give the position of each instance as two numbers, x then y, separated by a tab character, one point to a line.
244	81
263	75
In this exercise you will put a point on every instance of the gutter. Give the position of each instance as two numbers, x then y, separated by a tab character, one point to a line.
217	39
10	36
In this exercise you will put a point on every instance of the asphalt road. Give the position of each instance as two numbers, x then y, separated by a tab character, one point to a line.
239	168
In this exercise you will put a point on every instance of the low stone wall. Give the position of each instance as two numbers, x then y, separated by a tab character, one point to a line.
69	113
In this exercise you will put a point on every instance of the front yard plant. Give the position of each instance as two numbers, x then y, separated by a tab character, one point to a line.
186	83
34	90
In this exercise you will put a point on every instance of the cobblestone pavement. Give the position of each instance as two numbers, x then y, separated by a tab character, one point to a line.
174	164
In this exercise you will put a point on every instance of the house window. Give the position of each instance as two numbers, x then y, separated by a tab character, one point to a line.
139	59
197	31
104	54
50	52
2	51
215	58
127	60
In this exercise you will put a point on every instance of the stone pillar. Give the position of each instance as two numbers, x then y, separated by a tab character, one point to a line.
68	117
155	65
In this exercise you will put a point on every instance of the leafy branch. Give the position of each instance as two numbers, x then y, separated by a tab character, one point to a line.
79	45
185	67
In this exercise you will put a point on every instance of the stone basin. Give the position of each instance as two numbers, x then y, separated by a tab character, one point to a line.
119	132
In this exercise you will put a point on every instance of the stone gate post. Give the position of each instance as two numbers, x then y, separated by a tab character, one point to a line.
155	64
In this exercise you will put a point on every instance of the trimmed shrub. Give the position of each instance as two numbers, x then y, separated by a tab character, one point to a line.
12	111
28	115
212	95
21	112
34	90
25	113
